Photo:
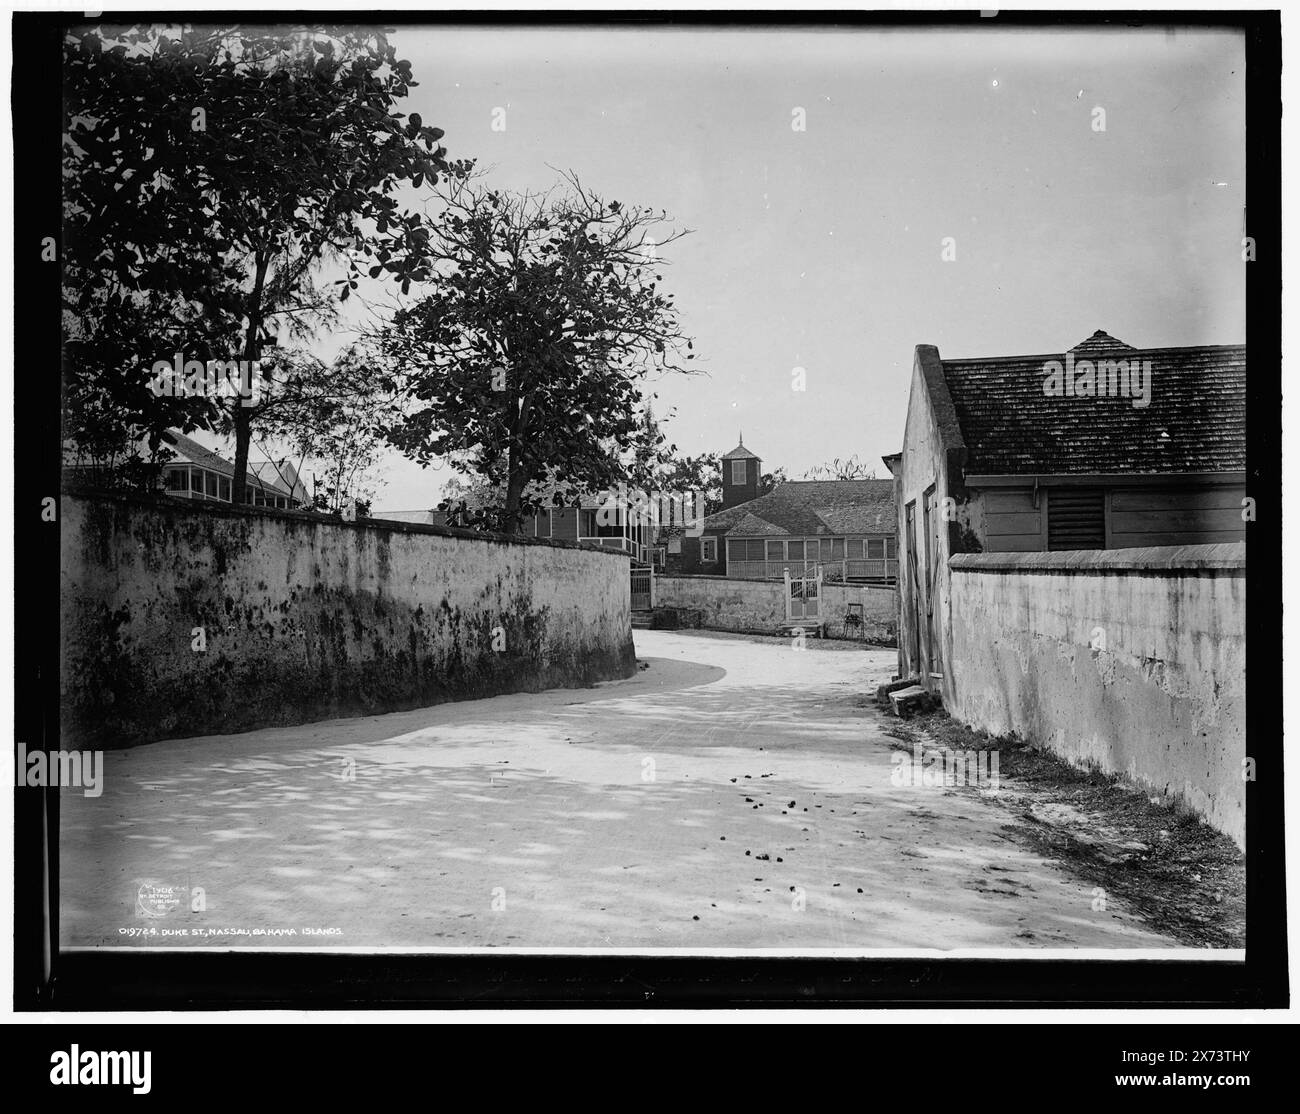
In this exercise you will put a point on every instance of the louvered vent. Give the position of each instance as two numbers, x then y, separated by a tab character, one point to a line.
1076	518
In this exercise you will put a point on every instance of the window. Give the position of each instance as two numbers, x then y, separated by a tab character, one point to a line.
196	481
708	550
853	548
177	480
660	556
1076	518
876	548
796	550
774	551
754	550
542	524
223	489
891	548
210	484
588	527
737	473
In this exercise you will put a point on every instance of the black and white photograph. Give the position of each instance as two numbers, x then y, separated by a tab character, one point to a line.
667	488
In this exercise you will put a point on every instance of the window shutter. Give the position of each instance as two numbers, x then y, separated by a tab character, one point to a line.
1076	518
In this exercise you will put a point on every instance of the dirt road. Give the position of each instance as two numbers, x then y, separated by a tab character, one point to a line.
734	794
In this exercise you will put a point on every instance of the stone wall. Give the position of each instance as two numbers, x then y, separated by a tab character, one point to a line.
182	619
727	603
1129	660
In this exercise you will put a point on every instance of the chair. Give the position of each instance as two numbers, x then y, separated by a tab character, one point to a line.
853	619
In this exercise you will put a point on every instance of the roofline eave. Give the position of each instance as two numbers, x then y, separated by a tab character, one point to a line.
1108	479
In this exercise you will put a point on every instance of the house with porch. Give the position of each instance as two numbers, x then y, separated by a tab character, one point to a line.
1102	447
283	475
844	528
604	520
194	472
615	519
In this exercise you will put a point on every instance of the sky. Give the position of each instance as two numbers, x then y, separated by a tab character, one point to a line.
823	248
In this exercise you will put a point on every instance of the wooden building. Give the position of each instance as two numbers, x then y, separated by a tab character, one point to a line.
1104	446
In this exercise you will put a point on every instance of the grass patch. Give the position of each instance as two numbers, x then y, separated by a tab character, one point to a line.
1184	878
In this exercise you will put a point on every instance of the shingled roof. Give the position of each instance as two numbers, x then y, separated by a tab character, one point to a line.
189	450
740	453
803	508
1195	421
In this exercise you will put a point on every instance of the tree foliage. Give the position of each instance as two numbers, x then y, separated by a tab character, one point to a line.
770	481
525	361
703	473
209	173
848	468
332	420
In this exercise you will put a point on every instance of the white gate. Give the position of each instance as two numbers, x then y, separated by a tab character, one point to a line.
803	596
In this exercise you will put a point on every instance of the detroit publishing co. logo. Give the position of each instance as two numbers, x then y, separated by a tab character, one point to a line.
157	899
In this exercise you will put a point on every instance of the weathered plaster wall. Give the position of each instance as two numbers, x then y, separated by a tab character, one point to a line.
306	618
759	605
1131	659
929	461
